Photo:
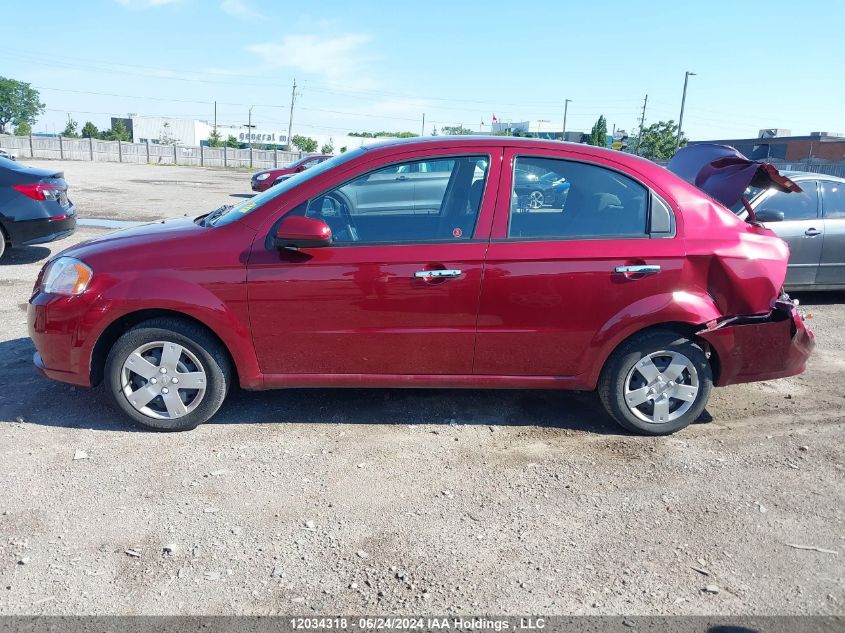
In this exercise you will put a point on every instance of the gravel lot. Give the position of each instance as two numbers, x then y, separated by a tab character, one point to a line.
376	501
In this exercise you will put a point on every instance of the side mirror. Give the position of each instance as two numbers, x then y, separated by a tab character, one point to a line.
768	215
302	232
300	168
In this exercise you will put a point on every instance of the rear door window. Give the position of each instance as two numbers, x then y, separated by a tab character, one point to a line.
833	196
554	198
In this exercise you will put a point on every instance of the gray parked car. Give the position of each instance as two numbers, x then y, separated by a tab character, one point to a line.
812	222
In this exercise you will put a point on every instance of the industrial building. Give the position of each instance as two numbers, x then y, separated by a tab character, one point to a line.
779	144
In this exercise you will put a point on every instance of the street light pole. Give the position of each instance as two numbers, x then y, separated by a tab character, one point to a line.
566	103
683	102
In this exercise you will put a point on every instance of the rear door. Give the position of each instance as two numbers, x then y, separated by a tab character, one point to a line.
832	263
550	280
802	228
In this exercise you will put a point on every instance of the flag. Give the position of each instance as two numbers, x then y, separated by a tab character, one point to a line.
482	121
495	120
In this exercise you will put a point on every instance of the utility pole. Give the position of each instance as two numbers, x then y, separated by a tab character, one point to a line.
642	122
290	121
681	118
566	103
423	126
249	132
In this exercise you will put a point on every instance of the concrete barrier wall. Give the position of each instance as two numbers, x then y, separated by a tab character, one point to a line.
59	148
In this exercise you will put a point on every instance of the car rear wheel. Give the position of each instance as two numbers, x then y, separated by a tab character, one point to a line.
656	383
536	199
168	374
2	242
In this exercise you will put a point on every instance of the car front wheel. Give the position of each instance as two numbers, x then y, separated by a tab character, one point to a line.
656	383
168	375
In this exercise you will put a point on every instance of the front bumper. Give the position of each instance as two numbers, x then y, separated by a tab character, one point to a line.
64	331
261	185
766	347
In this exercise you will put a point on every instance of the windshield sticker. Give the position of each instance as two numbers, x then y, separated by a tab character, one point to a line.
249	206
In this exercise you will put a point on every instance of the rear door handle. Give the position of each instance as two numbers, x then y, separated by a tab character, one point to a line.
811	232
642	269
437	274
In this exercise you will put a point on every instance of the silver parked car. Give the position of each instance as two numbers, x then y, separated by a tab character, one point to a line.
812	222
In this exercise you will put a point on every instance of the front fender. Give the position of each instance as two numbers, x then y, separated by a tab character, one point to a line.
689	308
220	305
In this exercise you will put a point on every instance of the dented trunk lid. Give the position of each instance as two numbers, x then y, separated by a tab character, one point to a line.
724	173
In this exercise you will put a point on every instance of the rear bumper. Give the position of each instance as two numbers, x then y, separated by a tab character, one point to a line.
749	349
41	231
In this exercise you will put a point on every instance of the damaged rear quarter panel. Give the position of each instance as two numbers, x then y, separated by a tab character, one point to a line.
742	266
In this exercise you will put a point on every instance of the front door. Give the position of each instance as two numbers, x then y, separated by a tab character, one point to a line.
551	279
832	262
801	228
397	291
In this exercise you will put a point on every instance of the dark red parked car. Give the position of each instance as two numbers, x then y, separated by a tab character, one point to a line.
411	264
263	180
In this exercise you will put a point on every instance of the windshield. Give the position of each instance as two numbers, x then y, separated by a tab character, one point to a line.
249	205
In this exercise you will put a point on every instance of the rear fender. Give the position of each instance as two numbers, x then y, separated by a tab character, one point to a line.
689	309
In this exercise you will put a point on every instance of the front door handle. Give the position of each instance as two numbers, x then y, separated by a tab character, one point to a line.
641	269
437	274
811	232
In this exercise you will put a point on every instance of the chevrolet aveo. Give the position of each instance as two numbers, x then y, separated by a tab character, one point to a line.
419	264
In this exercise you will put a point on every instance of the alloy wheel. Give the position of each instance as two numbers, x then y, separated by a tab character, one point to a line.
163	380
536	199
661	387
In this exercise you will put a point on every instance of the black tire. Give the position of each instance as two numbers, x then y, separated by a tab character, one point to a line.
203	345
3	244
616	372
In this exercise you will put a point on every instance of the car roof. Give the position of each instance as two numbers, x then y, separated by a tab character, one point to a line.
455	141
806	175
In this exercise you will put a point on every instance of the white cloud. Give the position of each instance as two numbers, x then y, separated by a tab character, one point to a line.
338	59
145	4
238	9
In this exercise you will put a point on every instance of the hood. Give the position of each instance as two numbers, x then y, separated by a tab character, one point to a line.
723	173
176	228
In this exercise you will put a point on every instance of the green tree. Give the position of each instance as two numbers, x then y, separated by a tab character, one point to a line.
343	149
327	148
598	135
89	130
659	141
304	143
118	132
455	130
231	141
214	139
434	131
19	103
23	129
70	128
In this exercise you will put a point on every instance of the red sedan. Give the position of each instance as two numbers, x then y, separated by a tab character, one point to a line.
263	180
414	264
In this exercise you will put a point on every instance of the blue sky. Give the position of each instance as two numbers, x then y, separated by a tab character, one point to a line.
373	65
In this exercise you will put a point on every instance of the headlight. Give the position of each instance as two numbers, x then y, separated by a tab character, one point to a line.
66	276
262	176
